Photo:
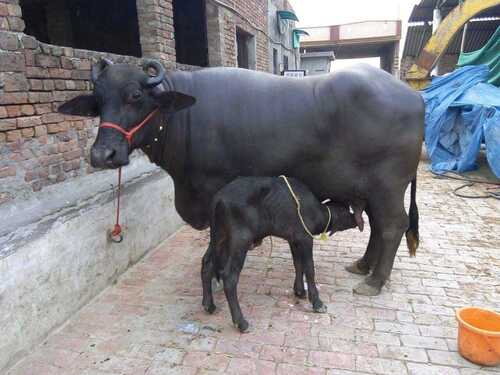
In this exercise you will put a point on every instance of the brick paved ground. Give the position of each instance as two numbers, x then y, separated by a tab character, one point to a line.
151	322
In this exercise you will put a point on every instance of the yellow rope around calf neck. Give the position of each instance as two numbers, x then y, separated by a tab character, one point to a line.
323	236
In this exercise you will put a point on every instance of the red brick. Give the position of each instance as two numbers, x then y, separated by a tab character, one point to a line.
7	171
35	72
43	108
13	110
9	41
14	10
70	155
66	63
25	122
4	11
11	62
29	176
14	82
60	84
17	110
40	130
205	360
78	125
36	84
28	132
13	135
247	366
29	42
50	118
7	124
48	85
332	360
46	61
3	112
29	56
56	128
283	354
60	73
27	110
13	98
40	97
80	74
4	24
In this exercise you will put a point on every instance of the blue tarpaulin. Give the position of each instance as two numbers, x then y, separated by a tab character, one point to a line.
462	111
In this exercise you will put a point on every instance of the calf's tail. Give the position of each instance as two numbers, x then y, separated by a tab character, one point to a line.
412	236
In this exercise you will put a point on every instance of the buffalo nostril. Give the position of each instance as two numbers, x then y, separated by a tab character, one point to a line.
108	154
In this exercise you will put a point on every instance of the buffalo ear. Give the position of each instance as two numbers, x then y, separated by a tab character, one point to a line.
175	101
83	105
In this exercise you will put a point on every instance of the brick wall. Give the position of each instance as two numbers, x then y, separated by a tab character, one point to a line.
250	16
156	28
38	146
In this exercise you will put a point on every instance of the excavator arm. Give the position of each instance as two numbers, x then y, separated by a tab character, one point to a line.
418	75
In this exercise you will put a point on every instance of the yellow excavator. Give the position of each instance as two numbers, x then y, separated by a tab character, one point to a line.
418	76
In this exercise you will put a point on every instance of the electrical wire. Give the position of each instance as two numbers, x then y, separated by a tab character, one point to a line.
470	182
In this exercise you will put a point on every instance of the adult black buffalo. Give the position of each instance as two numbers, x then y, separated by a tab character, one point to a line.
353	136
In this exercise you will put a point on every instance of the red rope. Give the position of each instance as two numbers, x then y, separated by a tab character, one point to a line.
116	234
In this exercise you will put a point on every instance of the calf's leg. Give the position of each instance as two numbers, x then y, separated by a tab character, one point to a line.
207	274
230	278
304	248
298	285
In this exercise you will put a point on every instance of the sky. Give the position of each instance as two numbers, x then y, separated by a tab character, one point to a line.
334	12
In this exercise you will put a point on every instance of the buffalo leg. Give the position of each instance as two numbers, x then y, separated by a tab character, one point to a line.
389	223
305	248
207	275
369	260
298	285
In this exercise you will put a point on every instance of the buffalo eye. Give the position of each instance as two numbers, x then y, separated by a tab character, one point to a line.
136	96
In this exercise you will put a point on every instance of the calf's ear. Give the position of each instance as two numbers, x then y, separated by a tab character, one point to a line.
83	105
174	101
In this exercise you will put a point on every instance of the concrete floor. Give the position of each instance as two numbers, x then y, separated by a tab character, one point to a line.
151	322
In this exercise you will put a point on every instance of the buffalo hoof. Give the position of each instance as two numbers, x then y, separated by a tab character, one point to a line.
210	308
365	289
319	307
357	269
300	293
243	326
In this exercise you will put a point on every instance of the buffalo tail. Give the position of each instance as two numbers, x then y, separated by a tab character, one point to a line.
412	236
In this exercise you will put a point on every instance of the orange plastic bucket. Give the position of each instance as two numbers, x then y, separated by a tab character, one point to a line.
479	335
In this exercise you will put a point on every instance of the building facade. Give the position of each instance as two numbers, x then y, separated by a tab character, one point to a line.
283	55
54	208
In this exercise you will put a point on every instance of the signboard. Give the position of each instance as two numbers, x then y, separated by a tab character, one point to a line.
294	73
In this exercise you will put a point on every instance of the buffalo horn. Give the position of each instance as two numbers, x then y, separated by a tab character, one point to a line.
98	68
159	69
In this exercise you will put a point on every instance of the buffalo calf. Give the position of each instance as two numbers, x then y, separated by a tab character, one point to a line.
251	208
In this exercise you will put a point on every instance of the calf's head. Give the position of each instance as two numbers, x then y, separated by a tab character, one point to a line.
124	96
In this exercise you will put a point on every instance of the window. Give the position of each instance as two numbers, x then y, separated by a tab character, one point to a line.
190	25
106	26
285	62
245	43
276	66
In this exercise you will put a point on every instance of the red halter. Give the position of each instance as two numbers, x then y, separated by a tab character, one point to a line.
129	134
116	234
